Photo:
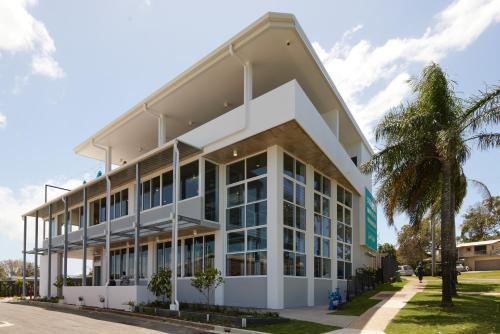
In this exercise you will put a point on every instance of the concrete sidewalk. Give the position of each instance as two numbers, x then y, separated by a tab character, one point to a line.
376	319
318	314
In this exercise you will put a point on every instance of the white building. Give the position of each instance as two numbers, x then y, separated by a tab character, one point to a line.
269	186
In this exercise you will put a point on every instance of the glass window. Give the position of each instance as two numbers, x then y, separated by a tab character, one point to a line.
340	194
340	269
348	199
326	187
257	263
317	203
95	213
347	216
317	182
317	266
189	180
300	242
348	235
236	241
257	239
102	214
188	257
256	214
143	262
326	227
347	253
209	251
130	269
235	265
340	232
317	246
236	195
159	257
340	213
300	265
300	195
235	218
211	192
289	263
348	270
300	218
300	171
317	224
124	211
326	248
146	195
288	190
117	205
257	190
326	206
167	188
198	255
327	268
155	190
288	214
256	165
236	172
288	165
112	209
340	251
288	239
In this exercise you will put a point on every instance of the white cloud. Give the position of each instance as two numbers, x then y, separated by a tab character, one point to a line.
21	32
3	121
15	203
354	68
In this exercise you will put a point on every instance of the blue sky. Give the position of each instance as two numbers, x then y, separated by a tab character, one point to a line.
68	68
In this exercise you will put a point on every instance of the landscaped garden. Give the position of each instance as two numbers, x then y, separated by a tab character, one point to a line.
471	313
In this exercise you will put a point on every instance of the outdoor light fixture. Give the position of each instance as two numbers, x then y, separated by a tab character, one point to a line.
195	232
235	153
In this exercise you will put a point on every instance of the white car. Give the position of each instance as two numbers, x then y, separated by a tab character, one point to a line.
460	268
406	270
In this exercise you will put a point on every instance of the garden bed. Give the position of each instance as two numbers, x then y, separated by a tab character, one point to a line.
218	315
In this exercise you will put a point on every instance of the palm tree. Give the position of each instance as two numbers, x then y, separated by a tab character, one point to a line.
426	144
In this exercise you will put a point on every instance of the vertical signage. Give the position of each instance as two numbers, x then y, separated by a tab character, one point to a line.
370	221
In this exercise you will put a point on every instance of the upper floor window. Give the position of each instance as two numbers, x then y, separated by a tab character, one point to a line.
211	191
189	180
119	204
344	233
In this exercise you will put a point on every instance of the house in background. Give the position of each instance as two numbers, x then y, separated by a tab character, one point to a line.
247	162
480	255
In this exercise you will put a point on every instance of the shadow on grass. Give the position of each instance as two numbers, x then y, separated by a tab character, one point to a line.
470	314
468	287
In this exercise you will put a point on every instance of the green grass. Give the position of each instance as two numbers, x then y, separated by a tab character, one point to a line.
294	327
360	304
481	274
470	314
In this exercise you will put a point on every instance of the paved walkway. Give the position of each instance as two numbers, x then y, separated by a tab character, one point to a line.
319	314
376	319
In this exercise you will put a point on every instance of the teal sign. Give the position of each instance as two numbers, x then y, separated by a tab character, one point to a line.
370	221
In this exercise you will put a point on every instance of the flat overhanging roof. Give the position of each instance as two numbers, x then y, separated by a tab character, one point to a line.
279	52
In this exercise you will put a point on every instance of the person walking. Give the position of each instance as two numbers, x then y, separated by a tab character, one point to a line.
420	271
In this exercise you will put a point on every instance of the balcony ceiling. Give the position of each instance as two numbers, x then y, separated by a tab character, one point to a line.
278	51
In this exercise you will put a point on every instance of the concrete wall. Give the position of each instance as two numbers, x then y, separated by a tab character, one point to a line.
246	291
188	294
115	297
321	288
295	291
44	262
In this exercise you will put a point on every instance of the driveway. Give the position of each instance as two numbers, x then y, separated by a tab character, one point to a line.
18	318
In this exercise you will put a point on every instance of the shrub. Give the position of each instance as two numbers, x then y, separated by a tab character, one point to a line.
206	281
160	283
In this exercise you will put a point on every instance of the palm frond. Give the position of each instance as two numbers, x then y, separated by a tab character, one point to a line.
486	140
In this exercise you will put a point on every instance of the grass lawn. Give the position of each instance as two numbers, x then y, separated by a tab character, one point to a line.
470	314
362	303
294	327
481	274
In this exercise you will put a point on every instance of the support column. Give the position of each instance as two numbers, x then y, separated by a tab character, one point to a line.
220	235
49	254
106	267
174	305
333	240
84	238
247	86
35	282
137	221
107	166
310	234
275	278
24	257
65	259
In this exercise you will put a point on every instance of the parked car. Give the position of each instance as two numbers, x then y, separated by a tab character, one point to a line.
406	270
460	268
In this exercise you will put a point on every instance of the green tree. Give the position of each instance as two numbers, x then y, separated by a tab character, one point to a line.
415	242
387	248
426	143
207	281
482	221
160	284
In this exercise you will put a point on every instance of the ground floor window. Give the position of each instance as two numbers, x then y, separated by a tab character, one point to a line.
122	262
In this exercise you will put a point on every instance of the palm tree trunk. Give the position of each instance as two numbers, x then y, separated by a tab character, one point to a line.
446	234
454	240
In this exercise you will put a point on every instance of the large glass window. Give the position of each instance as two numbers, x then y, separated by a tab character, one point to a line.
322	226
344	233
155	192
166	188
122	262
189	180
246	216
211	191
119	204
294	216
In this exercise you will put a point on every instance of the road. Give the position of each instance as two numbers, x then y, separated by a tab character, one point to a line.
18	318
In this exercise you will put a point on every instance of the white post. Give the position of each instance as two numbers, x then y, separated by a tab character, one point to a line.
108	231
174	306
220	235
275	278
162	129
310	234
107	163
247	87
333	240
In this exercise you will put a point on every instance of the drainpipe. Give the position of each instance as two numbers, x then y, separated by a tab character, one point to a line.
107	152
162	125
108	231
174	306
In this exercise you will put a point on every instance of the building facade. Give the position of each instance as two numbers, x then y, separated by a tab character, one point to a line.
480	255
247	162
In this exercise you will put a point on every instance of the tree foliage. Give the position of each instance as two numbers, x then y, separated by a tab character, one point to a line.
387	248
160	284
426	143
206	282
482	221
14	268
415	242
